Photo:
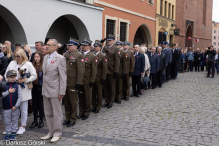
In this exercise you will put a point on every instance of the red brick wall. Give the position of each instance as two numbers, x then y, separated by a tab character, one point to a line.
193	10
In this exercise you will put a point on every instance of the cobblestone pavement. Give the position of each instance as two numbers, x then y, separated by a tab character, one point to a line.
184	112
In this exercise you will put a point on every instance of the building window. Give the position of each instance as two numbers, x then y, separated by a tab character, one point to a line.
169	10
161	7
123	31
215	31
165	9
151	2
218	43
110	27
204	12
214	43
214	37
172	12
218	38
215	25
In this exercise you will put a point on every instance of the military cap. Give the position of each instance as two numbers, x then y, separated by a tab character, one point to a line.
119	43
173	44
86	42
73	42
97	43
164	43
126	43
17	44
110	37
11	73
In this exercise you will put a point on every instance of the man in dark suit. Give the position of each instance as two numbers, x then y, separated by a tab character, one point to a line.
177	67
155	65
138	71
162	67
197	59
168	55
175	61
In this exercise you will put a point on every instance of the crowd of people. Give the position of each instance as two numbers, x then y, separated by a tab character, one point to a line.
79	74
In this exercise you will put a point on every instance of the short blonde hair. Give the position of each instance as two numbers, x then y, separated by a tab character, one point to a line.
28	49
22	54
143	49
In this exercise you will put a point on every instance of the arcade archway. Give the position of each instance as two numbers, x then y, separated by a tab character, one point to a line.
143	35
161	36
67	26
188	36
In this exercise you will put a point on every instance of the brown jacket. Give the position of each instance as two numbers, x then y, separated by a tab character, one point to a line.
113	59
101	67
129	61
90	68
75	67
122	66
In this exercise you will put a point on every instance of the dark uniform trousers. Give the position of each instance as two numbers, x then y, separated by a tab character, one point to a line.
118	87
153	80
168	68
159	78
97	95
126	85
136	80
109	88
85	97
71	103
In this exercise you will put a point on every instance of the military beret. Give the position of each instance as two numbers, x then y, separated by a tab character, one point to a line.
86	42
73	42
126	43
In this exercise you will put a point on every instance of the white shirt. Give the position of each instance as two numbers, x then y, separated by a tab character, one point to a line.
97	53
85	53
136	53
50	57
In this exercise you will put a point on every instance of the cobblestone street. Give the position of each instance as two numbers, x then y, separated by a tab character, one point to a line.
183	112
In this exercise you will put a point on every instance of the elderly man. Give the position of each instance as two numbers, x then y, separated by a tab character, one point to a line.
53	90
155	65
168	53
197	59
162	67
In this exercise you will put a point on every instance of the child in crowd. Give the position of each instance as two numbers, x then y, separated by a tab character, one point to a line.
11	102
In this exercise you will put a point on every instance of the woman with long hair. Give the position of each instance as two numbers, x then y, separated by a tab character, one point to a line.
37	97
21	62
7	52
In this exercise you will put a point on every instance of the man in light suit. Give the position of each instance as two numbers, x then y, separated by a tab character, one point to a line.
54	86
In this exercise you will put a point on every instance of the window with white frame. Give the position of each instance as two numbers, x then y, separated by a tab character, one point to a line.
123	31
110	27
215	31
214	37
151	2
214	43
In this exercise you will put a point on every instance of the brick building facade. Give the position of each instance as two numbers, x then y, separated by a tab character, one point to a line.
194	19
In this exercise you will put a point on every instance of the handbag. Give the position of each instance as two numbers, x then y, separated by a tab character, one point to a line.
146	79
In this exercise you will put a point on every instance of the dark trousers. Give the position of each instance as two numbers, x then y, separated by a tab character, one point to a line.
97	95
37	100
185	65
202	67
153	80
126	85
119	85
181	67
197	65
136	81
168	68
109	88
177	69
173	70
159	78
191	65
211	66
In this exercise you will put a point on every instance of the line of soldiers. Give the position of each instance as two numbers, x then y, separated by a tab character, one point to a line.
90	75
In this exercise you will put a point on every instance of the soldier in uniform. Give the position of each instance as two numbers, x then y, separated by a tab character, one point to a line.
130	64
113	58
85	96
75	73
100	78
122	67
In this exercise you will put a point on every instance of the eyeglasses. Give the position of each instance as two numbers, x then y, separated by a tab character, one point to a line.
17	56
47	45
4	47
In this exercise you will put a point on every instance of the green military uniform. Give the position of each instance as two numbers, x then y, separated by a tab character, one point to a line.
119	80
75	72
89	78
101	76
113	59
130	64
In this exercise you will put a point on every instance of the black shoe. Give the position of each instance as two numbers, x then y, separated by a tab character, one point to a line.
123	98
71	124
105	105
119	101
66	122
160	86
145	88
96	111
85	117
79	116
141	93
34	124
126	99
41	124
207	76
93	110
153	87
212	76
174	78
132	95
137	95
110	105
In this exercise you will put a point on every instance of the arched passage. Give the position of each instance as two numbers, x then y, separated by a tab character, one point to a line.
143	35
10	28
161	36
67	26
189	34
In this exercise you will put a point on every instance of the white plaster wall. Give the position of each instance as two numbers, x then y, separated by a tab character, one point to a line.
37	16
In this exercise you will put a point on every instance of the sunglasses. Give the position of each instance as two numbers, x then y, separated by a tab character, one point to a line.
17	56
